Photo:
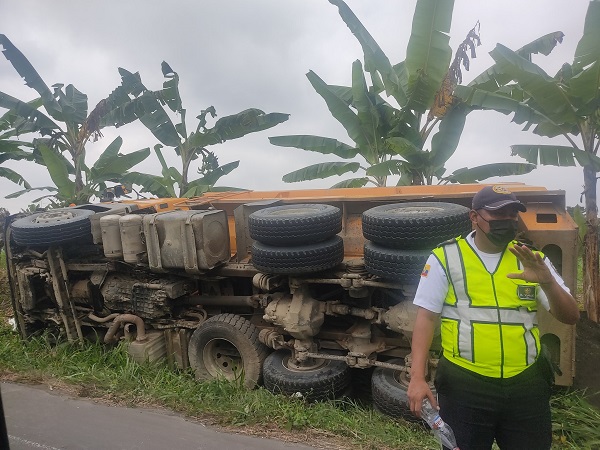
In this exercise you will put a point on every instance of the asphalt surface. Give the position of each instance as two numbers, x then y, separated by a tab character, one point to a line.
43	420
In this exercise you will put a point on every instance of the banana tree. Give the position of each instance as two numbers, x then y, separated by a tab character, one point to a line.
133	101
565	105
65	129
392	140
111	166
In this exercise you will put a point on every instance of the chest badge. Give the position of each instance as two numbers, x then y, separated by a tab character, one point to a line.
527	292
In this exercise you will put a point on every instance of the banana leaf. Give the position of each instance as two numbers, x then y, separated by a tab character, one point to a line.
375	58
588	47
389	167
58	172
11	151
213	176
31	77
58	147
115	166
28	190
317	144
12	124
160	186
339	110
25	110
545	91
585	86
351	183
504	104
13	176
368	114
246	122
322	170
409	151
227	189
73	104
480	173
170	92
428	53
556	155
493	77
445	142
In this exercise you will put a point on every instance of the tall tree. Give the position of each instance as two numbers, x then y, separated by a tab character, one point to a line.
565	105
392	140
65	129
133	101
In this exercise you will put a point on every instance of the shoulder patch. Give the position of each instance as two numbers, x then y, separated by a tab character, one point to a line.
426	270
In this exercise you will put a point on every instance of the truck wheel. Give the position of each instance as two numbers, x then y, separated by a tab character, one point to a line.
404	266
389	388
300	259
295	224
227	346
415	225
52	227
326	380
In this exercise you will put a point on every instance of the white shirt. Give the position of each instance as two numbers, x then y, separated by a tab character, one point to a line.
434	285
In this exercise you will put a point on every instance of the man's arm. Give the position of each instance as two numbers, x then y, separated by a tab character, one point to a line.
418	388
562	304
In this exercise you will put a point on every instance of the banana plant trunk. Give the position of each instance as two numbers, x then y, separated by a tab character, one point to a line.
591	268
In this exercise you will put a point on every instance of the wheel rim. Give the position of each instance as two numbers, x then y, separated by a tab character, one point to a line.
54	216
401	377
222	358
312	364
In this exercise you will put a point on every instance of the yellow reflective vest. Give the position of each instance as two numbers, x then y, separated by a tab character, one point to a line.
489	322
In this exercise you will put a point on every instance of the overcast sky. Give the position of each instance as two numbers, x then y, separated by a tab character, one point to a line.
238	54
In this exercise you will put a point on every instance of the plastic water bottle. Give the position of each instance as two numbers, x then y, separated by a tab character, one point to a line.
441	429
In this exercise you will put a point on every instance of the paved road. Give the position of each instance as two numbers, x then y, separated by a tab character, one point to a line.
41	420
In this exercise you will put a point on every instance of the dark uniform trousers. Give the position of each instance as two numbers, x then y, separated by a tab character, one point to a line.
514	411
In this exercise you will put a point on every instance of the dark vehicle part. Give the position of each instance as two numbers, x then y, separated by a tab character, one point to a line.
184	265
415	225
227	345
317	379
56	226
389	388
403	266
295	224
300	259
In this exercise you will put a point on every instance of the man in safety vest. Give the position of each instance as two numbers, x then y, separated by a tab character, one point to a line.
491	382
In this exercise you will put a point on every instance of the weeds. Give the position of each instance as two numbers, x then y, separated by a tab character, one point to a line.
92	370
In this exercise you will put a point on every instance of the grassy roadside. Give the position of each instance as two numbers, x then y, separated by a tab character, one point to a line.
97	372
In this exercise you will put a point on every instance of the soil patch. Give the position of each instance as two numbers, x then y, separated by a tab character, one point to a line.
587	359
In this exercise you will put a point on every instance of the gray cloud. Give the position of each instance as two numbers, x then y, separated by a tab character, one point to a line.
236	54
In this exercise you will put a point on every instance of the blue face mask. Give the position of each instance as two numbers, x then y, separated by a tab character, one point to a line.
502	231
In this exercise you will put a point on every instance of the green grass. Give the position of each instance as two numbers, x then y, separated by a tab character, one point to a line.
96	371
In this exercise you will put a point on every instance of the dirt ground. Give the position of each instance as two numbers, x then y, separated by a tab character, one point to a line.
587	359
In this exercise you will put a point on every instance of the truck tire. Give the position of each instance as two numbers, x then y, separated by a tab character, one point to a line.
415	225
227	346
295	224
403	266
389	388
299	259
325	381
52	227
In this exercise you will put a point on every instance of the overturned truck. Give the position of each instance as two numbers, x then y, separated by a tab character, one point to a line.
294	289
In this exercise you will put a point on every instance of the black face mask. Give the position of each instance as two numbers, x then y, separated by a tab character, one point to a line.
502	231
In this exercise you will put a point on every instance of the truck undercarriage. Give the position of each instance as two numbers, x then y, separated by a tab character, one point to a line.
289	288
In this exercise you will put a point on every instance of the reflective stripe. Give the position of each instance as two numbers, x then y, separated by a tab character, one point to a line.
466	315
